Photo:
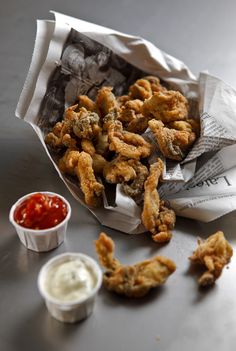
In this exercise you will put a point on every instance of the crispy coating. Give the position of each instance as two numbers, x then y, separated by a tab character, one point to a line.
166	106
138	125
109	119
119	170
127	144
69	161
122	100
141	89
102	145
91	188
129	110
60	136
106	101
86	102
215	252
172	143
131	281
87	146
155	84
86	125
135	188
156	218
189	125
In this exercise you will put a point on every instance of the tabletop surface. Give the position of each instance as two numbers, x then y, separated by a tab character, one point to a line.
175	317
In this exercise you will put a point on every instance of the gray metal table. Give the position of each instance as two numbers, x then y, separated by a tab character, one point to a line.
176	317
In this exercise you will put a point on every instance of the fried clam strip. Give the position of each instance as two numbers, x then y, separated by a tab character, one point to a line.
60	136
86	102
129	110
69	161
215	252
127	144
135	188
119	170
91	188
189	125
86	124
172	143
131	281
141	89
99	161
166	106
106	101
156	218
155	84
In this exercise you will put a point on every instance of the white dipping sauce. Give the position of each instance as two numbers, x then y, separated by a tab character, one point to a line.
70	281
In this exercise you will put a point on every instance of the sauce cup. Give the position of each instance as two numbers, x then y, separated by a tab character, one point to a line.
80	308
41	240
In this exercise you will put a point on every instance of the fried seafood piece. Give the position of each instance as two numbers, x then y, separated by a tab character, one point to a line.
129	111
215	252
172	143
131	281
102	145
127	144
141	89
189	125
156	217
99	161
120	170
135	188
91	188
60	136
110	118
155	83
166	106
138	125
69	161
106	101
86	102
122	99
86	124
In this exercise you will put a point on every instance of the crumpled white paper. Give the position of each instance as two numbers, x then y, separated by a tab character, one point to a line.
52	59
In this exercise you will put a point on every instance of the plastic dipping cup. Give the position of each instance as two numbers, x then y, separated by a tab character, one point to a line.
76	310
44	239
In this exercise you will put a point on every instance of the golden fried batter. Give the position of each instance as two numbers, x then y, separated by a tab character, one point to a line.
102	145
87	146
119	170
138	125
155	84
189	125
156	218
60	136
141	89
86	124
135	188
132	281
127	144
215	252
91	188
129	110
86	102
166	106
172	143
69	161
106	101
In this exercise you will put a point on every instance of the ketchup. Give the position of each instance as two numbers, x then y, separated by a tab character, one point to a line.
40	211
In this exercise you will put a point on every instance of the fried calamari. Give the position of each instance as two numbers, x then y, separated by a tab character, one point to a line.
106	101
215	252
119	170
127	144
166	106
91	188
86	124
172	143
141	89
156	217
135	188
132	281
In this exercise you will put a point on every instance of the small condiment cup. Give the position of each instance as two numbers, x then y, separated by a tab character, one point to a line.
73	311
44	239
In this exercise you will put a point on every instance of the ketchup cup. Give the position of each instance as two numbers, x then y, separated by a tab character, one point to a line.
41	240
